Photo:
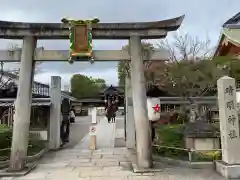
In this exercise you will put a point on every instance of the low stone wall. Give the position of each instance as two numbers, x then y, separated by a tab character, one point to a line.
194	165
42	134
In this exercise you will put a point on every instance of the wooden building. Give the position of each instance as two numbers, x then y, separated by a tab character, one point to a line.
40	102
229	43
8	92
81	106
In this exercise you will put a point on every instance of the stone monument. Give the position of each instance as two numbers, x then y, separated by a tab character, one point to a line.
229	166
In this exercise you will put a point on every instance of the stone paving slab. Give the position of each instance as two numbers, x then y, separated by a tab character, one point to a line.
119	133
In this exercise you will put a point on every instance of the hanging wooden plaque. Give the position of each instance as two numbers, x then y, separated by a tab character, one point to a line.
80	35
81	38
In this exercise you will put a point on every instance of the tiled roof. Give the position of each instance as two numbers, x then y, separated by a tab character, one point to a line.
35	102
233	20
15	77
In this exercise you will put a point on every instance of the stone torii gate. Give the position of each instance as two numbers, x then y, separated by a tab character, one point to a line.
31	32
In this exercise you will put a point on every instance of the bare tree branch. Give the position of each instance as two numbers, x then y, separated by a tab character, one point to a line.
189	79
5	79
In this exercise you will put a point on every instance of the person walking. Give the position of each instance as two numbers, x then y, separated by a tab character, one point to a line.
154	125
153	131
65	128
65	125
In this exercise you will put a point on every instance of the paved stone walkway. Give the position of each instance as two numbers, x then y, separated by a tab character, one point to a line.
112	164
105	164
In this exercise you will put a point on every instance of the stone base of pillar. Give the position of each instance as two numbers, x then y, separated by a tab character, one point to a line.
153	169
9	173
229	171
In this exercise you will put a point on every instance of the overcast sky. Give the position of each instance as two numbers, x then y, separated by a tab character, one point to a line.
202	17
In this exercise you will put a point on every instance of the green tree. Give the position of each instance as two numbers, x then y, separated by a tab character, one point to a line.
5	73
122	72
230	67
124	66
100	83
191	78
191	70
85	87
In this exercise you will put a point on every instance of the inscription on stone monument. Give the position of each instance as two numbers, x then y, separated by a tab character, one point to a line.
231	108
232	120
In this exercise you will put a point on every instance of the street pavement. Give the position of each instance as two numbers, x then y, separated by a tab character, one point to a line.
78	130
75	163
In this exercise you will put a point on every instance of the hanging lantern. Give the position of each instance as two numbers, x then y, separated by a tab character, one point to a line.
153	107
80	35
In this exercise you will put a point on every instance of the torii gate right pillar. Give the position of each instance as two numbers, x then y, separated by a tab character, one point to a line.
143	142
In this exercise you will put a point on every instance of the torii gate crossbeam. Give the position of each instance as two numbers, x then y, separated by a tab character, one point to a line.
145	30
62	55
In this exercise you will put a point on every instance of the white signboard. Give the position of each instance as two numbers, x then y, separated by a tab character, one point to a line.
92	130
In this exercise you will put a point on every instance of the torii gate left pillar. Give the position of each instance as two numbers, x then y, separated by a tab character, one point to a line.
23	105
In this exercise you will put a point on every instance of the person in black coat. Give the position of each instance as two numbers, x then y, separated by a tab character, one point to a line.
65	125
